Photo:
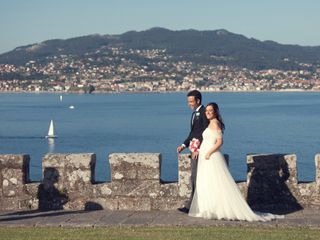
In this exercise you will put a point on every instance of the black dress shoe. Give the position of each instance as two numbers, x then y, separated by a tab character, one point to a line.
184	210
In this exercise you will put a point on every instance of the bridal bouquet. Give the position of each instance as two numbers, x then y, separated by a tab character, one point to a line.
194	145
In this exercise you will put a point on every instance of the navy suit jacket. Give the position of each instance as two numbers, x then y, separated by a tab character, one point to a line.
198	125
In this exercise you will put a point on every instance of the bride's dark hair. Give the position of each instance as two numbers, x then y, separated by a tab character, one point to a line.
217	114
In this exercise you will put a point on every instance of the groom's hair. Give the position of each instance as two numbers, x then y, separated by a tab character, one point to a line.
196	94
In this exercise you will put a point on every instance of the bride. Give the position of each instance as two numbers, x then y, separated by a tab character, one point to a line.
217	196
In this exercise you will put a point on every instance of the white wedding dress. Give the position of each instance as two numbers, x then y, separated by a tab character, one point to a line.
217	196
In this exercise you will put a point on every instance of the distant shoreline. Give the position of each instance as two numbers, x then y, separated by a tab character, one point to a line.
164	92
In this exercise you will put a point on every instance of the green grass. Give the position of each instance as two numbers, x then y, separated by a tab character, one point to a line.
167	233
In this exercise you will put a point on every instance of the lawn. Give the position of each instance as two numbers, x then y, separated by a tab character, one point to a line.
166	233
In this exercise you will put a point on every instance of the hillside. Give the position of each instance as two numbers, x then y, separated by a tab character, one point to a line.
206	47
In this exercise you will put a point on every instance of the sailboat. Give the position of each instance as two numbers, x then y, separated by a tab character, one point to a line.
51	131
60	98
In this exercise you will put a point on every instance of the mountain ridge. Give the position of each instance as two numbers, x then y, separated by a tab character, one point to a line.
206	47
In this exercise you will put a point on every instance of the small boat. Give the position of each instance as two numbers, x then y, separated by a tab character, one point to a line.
61	98
51	131
71	107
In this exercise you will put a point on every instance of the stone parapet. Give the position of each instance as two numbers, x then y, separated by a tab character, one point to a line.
68	183
272	181
136	185
67	179
317	163
14	175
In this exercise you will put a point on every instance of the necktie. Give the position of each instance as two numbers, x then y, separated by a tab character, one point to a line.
192	118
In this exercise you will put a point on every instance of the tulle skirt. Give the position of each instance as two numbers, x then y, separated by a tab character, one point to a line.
217	196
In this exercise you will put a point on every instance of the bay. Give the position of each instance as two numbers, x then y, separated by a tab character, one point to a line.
266	122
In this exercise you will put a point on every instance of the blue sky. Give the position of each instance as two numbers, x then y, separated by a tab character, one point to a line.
32	21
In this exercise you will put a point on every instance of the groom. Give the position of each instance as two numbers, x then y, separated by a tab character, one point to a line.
199	123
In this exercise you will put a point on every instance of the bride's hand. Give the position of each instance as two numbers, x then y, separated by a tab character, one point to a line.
194	155
207	157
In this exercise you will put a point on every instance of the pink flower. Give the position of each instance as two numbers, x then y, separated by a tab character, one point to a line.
194	145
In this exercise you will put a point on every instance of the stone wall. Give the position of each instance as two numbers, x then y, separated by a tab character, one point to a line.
69	183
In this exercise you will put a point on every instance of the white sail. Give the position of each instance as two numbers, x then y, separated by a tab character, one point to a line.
51	131
60	97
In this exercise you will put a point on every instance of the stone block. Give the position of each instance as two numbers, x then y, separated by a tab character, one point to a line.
135	188
272	180
102	203
102	190
123	170
274	166
306	189
9	203
317	163
169	190
141	166
67	181
134	203
83	161
13	181
28	203
14	161
184	162
77	179
185	188
69	170
291	164
54	160
12	176
14	168
76	203
148	173
167	203
52	177
184	183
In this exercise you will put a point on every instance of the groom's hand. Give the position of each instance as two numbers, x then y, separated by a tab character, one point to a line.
180	148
